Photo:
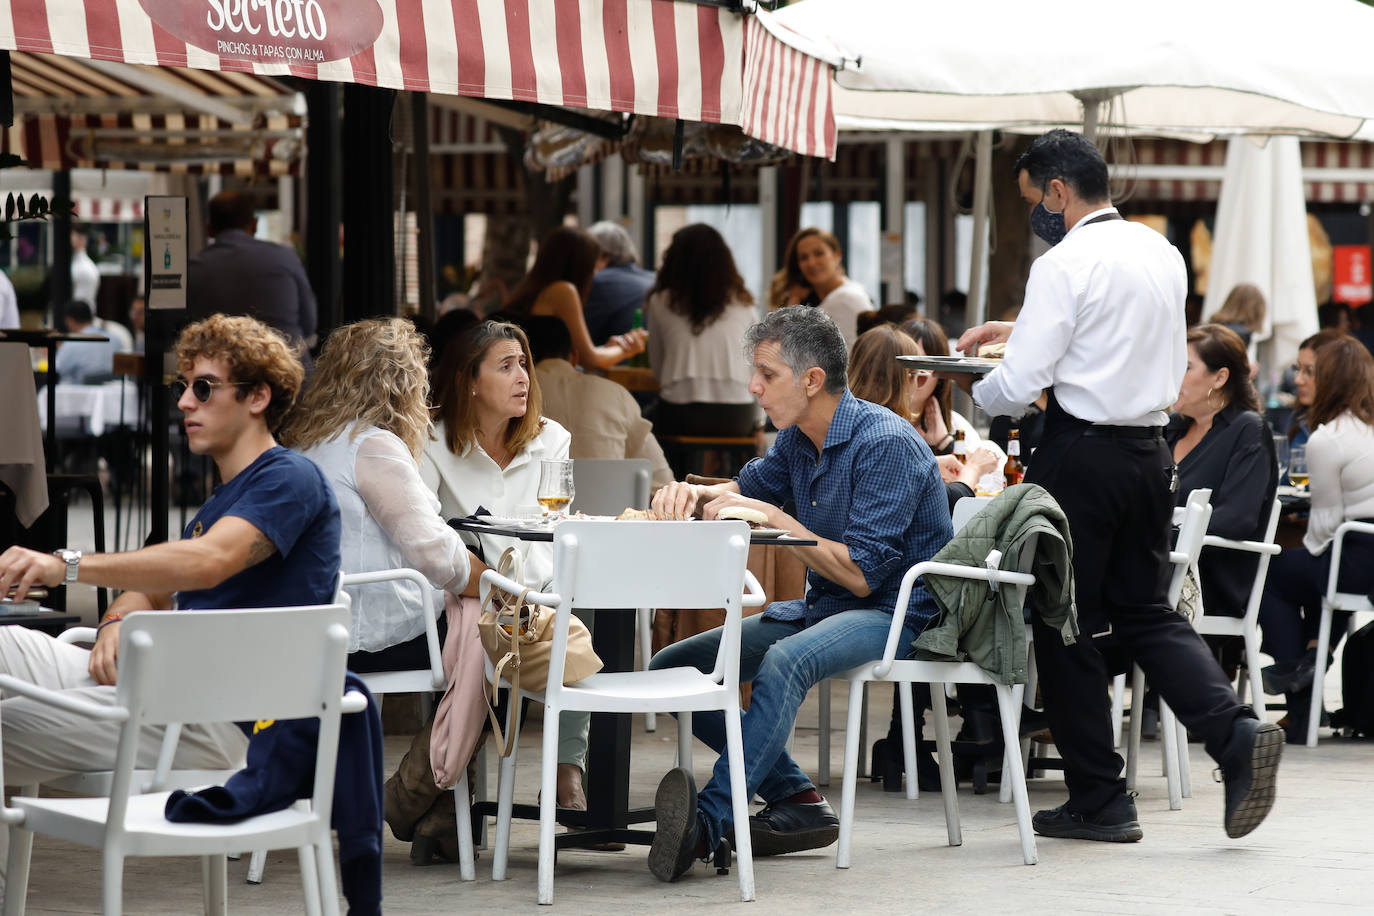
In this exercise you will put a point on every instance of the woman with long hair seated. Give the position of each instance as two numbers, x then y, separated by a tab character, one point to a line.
364	419
488	441
697	312
1221	443
815	256
1340	460
932	399
557	284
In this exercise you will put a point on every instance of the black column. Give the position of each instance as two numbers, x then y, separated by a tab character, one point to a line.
369	264
60	277
324	184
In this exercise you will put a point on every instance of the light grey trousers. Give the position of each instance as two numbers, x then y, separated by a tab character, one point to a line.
42	742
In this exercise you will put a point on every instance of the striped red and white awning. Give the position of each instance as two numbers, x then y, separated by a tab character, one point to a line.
666	58
1174	170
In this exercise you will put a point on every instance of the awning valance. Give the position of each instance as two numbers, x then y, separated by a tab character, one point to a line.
655	57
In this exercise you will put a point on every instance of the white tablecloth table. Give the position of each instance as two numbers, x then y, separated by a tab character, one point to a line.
98	406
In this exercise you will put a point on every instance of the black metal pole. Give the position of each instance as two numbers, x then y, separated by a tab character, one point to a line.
323	199
60	277
369	266
424	205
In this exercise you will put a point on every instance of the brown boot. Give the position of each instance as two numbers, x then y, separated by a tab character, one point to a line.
411	791
436	834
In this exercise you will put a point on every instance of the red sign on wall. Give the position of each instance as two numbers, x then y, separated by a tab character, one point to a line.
1351	279
272	31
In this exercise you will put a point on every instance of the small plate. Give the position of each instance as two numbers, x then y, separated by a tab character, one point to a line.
767	532
978	365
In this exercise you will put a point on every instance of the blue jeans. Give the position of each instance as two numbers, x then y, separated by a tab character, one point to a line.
782	659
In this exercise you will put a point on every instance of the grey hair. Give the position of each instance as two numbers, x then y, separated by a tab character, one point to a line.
808	338
615	242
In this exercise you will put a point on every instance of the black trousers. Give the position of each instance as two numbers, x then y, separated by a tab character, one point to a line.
1116	495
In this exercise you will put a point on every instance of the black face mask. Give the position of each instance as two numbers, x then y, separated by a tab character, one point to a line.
1048	224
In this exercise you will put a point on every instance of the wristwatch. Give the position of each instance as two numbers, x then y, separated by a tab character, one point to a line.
73	559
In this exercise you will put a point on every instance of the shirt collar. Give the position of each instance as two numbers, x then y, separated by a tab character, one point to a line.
843	422
1096	213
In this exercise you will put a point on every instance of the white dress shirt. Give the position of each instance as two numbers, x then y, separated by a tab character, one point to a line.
85	279
9	303
388	519
472	479
1103	323
1340	460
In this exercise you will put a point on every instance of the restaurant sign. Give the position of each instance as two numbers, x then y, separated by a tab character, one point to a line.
1351	275
272	31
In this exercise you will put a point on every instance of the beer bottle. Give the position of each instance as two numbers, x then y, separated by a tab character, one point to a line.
639	360
1013	470
960	448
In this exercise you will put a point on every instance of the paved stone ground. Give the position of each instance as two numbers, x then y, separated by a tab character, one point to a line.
1312	855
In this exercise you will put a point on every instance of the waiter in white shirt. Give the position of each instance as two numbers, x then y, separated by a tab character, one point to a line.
1102	329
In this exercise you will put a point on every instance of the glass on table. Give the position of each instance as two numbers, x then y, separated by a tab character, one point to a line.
1297	466
1281	454
555	486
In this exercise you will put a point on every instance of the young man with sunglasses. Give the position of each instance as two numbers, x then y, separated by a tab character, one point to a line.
267	537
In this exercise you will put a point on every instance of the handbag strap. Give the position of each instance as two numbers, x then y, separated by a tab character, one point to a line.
509	665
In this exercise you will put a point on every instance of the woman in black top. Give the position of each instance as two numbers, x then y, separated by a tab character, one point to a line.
1221	442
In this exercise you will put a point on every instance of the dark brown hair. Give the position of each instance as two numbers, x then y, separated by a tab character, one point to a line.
565	254
699	276
1219	348
934	342
874	373
1315	343
1344	382
458	371
789	258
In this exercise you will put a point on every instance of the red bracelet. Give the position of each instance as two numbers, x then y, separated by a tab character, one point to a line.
109	619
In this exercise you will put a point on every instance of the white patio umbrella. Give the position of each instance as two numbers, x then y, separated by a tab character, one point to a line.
1192	68
1260	237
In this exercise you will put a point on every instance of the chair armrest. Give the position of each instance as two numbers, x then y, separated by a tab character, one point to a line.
74	635
494	579
353	701
754	595
1337	545
436	658
1212	540
61	701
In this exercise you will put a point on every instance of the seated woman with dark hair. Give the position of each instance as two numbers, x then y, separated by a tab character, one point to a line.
1221	443
1340	460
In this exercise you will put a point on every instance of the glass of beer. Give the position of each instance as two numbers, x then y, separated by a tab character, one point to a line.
555	487
1297	466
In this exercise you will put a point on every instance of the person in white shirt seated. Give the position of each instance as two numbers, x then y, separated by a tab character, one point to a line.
1340	460
489	437
80	361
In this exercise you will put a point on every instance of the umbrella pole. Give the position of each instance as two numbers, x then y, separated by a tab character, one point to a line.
976	310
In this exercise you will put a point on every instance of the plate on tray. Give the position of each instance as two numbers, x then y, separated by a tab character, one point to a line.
767	532
978	365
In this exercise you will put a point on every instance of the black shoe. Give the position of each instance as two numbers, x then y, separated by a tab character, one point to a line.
981	726
1033	721
1249	768
1116	823
783	827
678	830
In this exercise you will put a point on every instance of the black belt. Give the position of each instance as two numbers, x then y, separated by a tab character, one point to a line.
1097	431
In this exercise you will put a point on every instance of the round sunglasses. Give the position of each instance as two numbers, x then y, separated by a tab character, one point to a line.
202	388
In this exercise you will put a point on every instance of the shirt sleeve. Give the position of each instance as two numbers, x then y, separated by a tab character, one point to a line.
389	483
882	508
1328	505
1038	341
1243	497
284	497
769	478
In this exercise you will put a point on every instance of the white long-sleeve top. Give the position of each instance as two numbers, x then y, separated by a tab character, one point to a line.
1103	323
706	367
472	479
844	304
1340	460
389	519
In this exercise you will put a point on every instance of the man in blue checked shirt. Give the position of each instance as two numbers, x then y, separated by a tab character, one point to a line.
866	487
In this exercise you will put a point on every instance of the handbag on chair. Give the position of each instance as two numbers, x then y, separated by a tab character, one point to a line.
518	638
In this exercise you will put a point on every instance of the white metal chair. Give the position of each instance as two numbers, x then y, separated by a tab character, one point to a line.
1246	627
266	663
1197	513
609	486
422	681
890	668
607	565
1334	600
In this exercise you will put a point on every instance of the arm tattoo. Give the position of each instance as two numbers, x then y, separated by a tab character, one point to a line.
261	549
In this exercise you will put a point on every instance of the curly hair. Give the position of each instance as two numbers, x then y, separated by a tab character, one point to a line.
255	355
454	403
699	276
874	373
371	372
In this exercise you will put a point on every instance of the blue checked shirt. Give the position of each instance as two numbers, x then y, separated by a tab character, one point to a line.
876	489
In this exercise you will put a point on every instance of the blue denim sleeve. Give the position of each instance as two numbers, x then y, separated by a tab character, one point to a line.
884	503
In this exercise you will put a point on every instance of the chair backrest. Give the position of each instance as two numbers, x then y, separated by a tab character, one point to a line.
967	508
1197	513
231	666
689	565
1261	568
609	486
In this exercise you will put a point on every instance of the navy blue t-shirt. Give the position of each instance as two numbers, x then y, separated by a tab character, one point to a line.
287	498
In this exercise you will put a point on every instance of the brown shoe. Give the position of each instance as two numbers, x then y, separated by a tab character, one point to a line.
410	792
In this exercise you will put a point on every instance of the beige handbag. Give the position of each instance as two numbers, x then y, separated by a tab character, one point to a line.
518	638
